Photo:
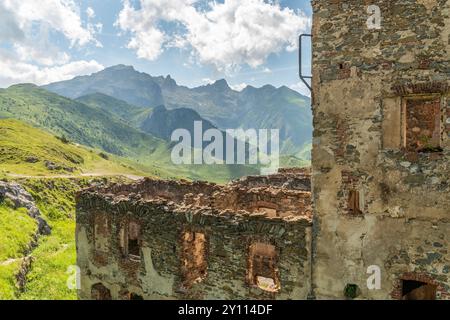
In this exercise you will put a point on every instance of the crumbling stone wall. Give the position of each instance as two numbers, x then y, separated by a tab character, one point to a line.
286	178
381	105
191	245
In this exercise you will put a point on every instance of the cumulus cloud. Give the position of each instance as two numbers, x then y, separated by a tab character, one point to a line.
147	39
61	15
208	81
239	87
29	55
16	71
225	35
41	54
10	29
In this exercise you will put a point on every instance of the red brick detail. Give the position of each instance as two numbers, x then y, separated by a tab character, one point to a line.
387	65
420	88
342	129
424	64
422	277
349	178
100	259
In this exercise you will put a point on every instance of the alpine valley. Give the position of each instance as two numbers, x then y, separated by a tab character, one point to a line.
114	125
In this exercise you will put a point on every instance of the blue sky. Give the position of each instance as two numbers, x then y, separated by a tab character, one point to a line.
193	41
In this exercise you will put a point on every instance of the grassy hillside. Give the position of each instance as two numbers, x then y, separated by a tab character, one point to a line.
48	277
55	253
16	231
91	127
80	123
131	114
26	150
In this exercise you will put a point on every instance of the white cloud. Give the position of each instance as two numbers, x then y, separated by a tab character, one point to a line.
208	81
52	56
29	55
90	12
148	44
147	40
61	15
10	29
226	35
238	87
16	71
301	88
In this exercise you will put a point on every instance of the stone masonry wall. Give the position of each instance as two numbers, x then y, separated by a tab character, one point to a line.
191	245
381	105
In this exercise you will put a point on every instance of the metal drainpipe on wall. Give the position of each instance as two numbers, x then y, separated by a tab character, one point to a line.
311	294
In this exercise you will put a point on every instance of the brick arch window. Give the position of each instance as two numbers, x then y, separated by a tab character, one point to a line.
417	286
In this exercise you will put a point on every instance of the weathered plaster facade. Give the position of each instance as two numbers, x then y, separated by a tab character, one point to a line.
180	240
381	148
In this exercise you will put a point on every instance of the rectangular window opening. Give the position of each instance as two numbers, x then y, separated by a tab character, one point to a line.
101	233
133	243
262	271
422	129
354	202
194	263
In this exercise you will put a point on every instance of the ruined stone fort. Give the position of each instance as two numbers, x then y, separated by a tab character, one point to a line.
375	203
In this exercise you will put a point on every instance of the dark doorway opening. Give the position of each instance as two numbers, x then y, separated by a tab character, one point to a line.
417	290
133	247
134	296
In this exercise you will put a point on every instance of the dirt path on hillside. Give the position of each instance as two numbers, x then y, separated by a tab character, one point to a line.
66	176
9	261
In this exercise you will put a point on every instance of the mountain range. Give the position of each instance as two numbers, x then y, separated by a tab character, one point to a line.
100	130
136	94
131	115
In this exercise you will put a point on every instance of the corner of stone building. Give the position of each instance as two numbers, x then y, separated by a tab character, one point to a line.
381	142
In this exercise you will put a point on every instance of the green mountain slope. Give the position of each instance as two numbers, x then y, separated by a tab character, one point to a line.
25	150
93	127
282	109
162	122
80	123
130	114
